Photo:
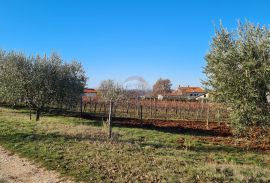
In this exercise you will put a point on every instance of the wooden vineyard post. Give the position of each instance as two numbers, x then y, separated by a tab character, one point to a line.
188	110
155	106
81	107
95	107
151	108
138	107
115	110
202	106
105	106
110	121
100	108
197	113
166	108
176	111
90	101
207	118
127	107
185	110
84	106
141	113
180	109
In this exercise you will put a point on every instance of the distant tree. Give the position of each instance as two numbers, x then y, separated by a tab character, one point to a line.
111	90
162	86
238	71
40	81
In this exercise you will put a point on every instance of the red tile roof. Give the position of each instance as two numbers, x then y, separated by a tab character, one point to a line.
89	90
187	90
192	90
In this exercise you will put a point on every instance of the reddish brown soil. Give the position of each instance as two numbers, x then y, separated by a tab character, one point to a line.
176	126
259	140
215	133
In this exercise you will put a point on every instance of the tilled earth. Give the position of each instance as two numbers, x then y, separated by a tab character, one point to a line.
180	126
216	133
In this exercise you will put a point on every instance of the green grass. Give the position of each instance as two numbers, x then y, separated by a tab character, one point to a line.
3	181
79	149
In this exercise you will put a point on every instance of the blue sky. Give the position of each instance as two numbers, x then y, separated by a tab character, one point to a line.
117	39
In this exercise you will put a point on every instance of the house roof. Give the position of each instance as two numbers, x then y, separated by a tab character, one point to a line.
187	90
89	90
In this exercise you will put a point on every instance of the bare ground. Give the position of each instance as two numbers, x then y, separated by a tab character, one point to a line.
14	169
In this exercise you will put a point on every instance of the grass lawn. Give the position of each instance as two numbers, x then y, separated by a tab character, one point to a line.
3	181
79	149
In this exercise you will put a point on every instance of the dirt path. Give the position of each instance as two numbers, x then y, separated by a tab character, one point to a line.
14	169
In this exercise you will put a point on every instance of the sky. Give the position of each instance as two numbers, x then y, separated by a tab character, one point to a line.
116	39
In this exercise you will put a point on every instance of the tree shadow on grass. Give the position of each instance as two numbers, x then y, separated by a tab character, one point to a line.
96	120
55	137
135	123
166	129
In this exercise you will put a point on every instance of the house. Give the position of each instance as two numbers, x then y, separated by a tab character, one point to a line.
203	97
184	93
89	93
190	92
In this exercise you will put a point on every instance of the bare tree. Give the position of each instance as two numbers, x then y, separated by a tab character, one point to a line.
162	87
111	91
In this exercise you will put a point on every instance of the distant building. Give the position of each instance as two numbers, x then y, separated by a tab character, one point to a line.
203	97
88	94
189	92
184	93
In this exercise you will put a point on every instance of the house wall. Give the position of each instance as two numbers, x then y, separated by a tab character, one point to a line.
194	94
90	94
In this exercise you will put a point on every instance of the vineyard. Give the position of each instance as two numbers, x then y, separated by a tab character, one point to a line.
157	109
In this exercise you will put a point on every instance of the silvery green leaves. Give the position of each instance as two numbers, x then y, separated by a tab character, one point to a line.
238	72
40	82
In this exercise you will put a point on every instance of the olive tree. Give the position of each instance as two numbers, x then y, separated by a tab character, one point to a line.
11	76
40	81
238	71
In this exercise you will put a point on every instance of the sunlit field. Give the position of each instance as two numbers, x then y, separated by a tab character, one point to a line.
79	149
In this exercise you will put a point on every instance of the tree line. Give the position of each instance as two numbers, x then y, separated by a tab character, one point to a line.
40	81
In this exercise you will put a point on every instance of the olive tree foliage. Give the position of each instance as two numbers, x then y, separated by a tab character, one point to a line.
238	71
9	77
162	87
40	81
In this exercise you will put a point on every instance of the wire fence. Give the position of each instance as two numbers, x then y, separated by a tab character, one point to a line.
157	109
